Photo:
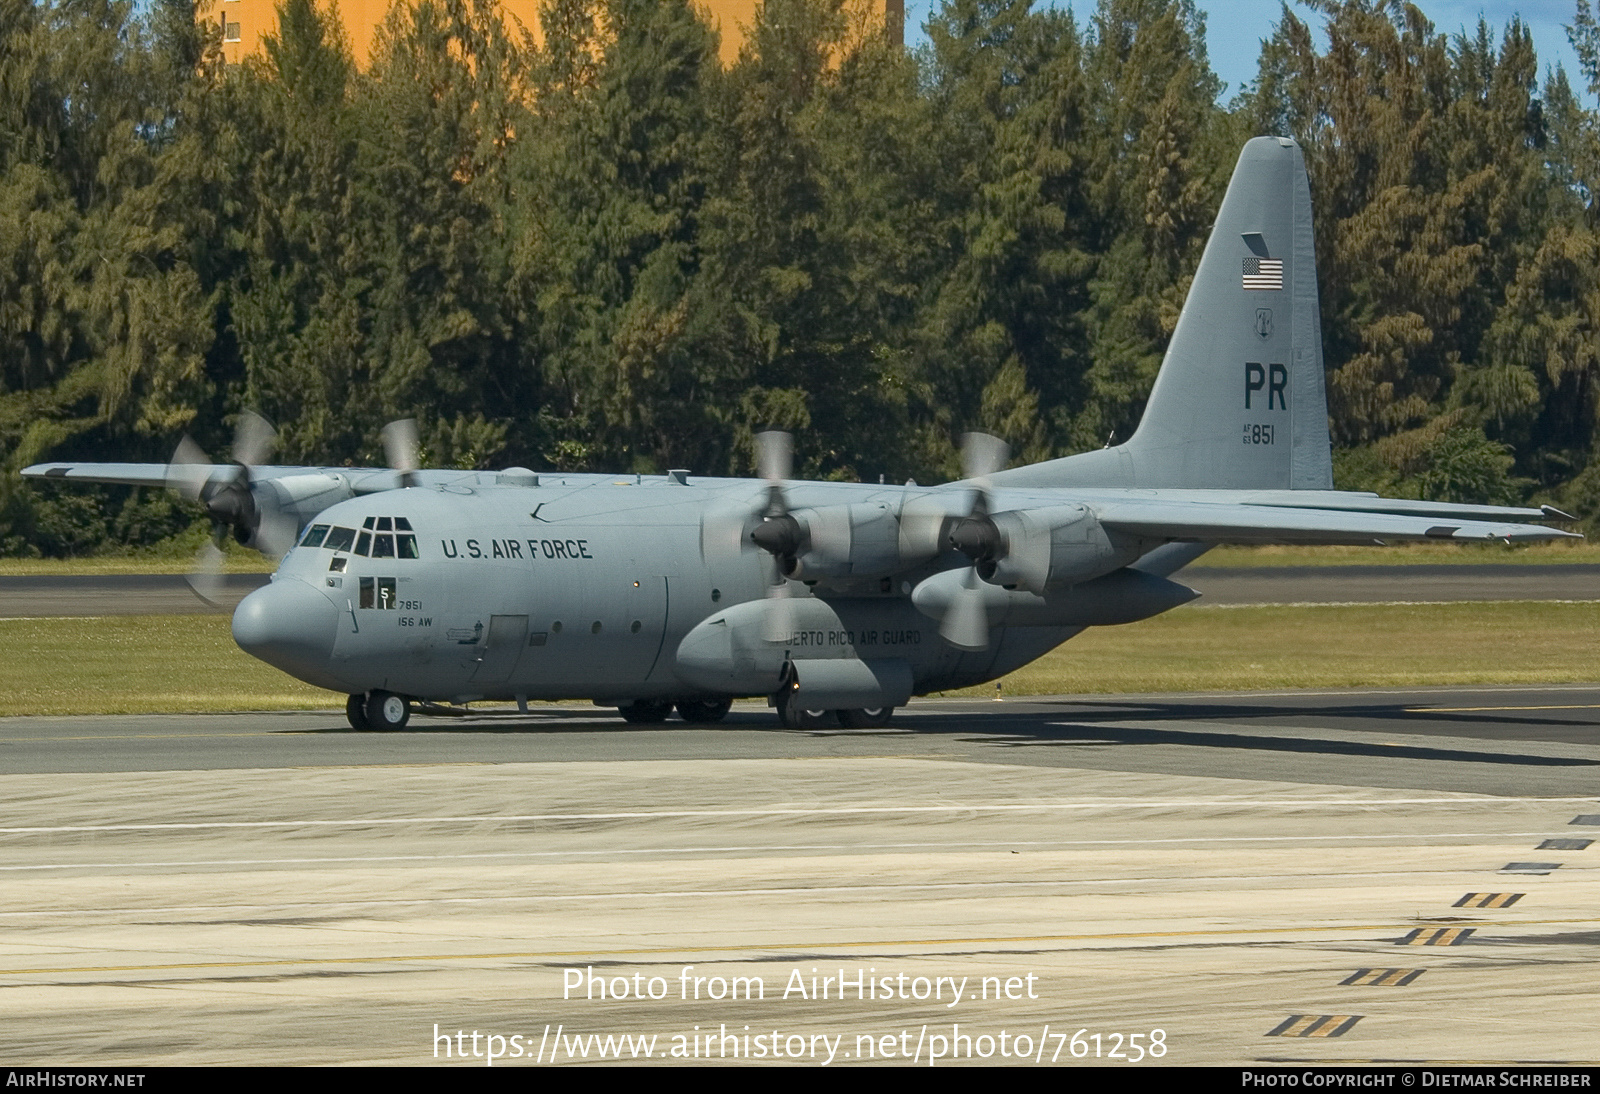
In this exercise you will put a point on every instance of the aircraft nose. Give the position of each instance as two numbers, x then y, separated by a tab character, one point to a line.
289	625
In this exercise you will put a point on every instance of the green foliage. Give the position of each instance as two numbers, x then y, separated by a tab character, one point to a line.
1443	461
608	251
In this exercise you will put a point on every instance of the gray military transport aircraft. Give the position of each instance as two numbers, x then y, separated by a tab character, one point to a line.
838	601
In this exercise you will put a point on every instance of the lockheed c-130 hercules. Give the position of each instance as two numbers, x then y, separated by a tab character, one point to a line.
838	601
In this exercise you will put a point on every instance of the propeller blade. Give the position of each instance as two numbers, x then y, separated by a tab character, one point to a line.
253	439
982	455
275	533
400	448
189	469
777	620
775	455
206	580
966	623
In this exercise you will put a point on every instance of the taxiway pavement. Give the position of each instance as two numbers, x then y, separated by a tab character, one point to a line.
1403	875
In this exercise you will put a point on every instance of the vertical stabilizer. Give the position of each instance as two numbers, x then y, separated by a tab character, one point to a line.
1240	401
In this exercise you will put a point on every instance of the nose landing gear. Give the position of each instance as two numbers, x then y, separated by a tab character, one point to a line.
382	711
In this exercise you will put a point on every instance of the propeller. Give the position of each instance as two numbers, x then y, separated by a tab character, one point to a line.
400	449
966	621
779	533
226	493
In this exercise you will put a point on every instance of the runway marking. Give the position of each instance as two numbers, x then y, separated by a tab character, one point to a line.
1437	936
1564	845
1586	818
1529	867
1411	838
1315	1025
1488	900
1382	978
864	810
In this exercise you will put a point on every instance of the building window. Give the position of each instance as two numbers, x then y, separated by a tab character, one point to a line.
230	31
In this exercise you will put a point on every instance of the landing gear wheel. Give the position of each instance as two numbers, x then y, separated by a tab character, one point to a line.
795	717
355	710
870	718
386	711
703	711
646	712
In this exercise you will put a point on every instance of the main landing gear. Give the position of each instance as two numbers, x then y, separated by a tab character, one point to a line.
794	716
377	710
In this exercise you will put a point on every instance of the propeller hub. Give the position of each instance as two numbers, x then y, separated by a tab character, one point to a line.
780	536
231	503
977	538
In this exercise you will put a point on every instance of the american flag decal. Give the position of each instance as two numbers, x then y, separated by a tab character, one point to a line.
1263	273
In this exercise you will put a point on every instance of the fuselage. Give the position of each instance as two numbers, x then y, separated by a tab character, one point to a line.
583	587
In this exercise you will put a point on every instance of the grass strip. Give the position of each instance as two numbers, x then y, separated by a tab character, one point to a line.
188	663
1267	647
1565	552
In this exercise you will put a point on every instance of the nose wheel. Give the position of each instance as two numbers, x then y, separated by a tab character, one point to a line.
382	711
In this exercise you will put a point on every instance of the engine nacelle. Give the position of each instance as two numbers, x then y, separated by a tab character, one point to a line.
288	504
1054	547
861	540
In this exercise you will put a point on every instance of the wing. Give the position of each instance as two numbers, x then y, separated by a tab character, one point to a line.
121	474
1274	521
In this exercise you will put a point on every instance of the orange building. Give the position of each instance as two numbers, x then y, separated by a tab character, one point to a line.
245	22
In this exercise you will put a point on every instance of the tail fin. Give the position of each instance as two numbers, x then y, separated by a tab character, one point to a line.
1239	403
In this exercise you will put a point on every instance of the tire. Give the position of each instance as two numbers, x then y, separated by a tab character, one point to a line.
795	717
387	711
703	711
871	718
645	712
355	711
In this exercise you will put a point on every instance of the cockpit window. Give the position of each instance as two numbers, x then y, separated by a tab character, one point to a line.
340	539
364	542
367	524
382	546
314	535
385	524
401	524
408	545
